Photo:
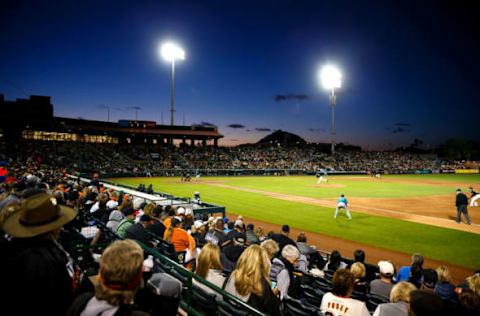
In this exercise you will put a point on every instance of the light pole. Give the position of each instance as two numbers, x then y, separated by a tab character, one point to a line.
136	108
331	78
171	52
103	106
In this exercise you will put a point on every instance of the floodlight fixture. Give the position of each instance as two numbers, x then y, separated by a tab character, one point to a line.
171	52
330	77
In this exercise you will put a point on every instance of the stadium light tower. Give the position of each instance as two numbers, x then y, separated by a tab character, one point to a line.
331	78
171	52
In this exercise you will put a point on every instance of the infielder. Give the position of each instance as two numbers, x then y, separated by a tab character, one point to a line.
474	197
342	203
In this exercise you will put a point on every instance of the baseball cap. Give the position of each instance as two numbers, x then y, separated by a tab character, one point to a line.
198	224
285	228
386	268
176	220
238	223
180	211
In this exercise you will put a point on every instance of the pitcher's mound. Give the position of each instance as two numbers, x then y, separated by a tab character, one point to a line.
328	185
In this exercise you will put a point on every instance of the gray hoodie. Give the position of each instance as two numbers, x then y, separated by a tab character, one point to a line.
114	220
95	307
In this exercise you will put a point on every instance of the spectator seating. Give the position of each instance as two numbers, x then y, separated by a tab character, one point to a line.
204	301
374	300
293	307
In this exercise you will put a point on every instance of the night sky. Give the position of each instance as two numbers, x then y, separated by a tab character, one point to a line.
410	68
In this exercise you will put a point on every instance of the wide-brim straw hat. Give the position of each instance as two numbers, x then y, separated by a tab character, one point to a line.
37	215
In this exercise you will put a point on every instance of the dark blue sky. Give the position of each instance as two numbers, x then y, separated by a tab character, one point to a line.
410	68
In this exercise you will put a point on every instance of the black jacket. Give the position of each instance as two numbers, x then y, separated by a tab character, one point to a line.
268	302
158	228
282	241
138	232
37	272
461	200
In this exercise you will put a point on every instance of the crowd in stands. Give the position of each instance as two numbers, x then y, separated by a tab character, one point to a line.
268	271
161	160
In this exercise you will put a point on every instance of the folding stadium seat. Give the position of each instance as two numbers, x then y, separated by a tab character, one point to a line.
329	274
312	295
227	307
167	249
374	300
203	301
359	296
293	307
160	296
322	284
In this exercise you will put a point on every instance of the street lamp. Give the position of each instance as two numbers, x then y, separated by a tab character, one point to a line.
331	78
171	52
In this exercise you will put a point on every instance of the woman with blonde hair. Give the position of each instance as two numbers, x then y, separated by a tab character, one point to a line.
119	278
359	272
148	209
473	282
444	288
260	233
209	267
272	248
250	281
399	301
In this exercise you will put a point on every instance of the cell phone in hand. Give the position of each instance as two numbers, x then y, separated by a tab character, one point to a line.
274	284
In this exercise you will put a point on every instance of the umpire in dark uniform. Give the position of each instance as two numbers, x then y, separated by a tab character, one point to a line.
461	202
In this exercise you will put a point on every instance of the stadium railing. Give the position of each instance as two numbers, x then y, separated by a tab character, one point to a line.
159	197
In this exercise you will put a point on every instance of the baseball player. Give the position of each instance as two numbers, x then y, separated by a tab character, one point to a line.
474	197
197	175
321	176
342	203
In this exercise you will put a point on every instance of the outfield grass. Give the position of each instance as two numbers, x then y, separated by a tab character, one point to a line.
443	244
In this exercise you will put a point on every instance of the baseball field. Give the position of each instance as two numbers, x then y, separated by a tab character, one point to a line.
393	216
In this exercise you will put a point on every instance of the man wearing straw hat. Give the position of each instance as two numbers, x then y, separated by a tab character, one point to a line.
34	266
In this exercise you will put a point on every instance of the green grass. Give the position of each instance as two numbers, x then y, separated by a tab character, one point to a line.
443	244
306	186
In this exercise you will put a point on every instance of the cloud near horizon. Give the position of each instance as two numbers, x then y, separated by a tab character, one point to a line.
207	124
263	129
290	97
236	126
311	129
400	130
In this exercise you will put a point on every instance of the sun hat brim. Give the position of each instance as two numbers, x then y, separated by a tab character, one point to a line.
15	228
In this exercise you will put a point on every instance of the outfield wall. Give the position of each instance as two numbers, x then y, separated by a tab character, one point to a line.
265	172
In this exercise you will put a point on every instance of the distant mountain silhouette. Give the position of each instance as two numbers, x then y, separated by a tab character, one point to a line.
284	138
